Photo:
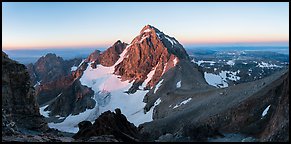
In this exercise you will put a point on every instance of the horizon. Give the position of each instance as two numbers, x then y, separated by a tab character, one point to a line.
75	25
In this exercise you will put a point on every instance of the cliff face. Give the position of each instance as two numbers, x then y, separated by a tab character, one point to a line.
277	128
18	100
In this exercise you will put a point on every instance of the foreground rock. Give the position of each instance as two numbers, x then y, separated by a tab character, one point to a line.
18	100
108	123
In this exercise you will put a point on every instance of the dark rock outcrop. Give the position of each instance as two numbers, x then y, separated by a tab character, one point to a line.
109	123
18	99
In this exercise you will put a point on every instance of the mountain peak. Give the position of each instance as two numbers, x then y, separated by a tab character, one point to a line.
117	42
149	28
151	35
152	52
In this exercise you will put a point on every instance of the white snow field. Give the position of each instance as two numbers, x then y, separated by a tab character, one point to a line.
220	80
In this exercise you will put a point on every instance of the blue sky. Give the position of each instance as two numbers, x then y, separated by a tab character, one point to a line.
39	25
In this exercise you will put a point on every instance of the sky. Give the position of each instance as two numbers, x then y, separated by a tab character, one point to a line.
36	25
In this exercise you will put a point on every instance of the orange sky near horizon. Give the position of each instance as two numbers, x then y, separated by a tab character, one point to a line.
64	25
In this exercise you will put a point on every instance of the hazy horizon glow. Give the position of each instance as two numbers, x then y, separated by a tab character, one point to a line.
36	25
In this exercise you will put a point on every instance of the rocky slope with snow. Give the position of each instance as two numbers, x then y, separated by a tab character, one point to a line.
253	109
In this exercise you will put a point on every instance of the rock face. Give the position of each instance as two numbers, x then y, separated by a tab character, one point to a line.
71	98
108	57
151	49
109	123
111	55
18	100
277	128
50	67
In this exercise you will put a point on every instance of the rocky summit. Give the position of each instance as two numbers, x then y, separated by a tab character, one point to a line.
151	49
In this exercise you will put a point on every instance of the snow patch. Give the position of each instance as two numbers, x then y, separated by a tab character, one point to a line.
183	102
147	30
59	95
220	80
164	70
74	68
143	38
178	85
170	40
230	62
265	111
158	34
202	61
158	85
158	101
37	83
215	80
43	112
175	61
149	76
267	65
122	55
82	62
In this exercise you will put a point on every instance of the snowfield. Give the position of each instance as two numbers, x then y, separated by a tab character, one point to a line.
220	80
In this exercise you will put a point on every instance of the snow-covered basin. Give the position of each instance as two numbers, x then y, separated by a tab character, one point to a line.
103	79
